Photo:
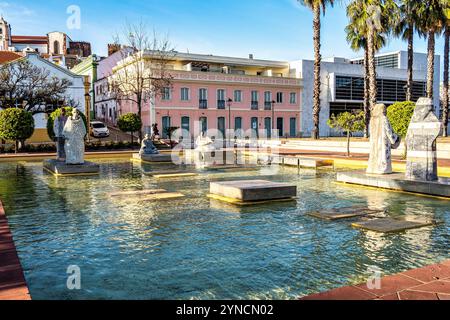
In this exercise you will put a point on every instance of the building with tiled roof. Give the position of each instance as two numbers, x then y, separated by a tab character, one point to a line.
7	56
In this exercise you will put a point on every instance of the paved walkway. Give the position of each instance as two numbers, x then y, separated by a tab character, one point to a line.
428	283
12	280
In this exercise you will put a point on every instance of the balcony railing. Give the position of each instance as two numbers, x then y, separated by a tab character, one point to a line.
220	104
203	104
267	105
255	105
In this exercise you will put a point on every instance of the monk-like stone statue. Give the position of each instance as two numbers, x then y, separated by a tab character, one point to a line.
423	131
382	140
58	128
147	147
74	133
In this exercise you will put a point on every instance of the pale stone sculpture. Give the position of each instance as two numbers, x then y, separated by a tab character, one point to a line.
147	147
382	140
74	133
423	131
58	127
204	143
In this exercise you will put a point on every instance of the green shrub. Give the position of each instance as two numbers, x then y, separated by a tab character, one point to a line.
399	115
16	125
55	114
129	122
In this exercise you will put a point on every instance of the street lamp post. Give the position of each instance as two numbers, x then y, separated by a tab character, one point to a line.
273	116
229	102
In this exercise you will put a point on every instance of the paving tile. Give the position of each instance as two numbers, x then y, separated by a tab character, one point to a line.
417	295
442	296
392	296
429	273
344	293
391	284
435	286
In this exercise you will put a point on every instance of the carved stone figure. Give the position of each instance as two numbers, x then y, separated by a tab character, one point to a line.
204	143
74	133
382	140
423	131
58	128
147	147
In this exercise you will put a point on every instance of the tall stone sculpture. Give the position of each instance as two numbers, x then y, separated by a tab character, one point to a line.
58	128
382	140
423	131
74	133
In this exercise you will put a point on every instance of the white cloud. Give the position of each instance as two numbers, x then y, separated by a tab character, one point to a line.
13	11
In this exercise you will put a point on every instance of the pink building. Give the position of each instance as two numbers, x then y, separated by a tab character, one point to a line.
213	92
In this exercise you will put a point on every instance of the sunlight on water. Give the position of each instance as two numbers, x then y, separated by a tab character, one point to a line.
199	248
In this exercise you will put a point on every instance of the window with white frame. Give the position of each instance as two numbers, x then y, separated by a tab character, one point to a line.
185	94
279	97
237	96
293	98
166	94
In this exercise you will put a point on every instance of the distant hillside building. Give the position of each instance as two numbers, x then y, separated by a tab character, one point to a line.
56	47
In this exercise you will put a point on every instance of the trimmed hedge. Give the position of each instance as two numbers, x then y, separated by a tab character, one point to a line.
16	124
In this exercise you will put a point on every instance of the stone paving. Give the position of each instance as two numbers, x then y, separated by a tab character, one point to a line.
12	280
428	283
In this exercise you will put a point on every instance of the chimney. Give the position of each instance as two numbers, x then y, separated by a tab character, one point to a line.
113	48
250	56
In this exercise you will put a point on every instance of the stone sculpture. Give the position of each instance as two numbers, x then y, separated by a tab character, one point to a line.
147	147
58	128
74	133
423	131
204	143
382	140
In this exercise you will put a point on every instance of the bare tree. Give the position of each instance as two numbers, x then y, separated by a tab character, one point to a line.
144	72
27	86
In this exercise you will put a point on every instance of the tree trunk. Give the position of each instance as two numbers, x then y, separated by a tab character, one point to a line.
132	140
348	143
139	103
430	65
366	93
317	63
16	149
445	99
409	83
372	70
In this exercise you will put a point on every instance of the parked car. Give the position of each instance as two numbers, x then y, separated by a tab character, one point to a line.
99	130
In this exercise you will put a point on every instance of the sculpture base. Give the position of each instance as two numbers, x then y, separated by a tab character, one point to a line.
60	168
397	181
210	158
152	157
253	190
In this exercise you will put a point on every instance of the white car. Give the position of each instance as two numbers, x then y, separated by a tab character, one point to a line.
99	129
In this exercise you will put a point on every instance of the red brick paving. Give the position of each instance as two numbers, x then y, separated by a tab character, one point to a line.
428	283
12	281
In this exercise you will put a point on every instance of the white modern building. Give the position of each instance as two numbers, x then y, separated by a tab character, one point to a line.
343	84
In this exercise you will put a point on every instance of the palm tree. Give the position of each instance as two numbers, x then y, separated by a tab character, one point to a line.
357	38
316	6
431	14
445	100
405	29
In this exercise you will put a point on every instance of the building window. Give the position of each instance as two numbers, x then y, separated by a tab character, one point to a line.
203	124
220	99
280	127
293	98
255	100
268	127
254	126
238	123
221	125
185	124
267	100
293	127
279	97
237	96
56	47
203	98
166	93
185	94
165	126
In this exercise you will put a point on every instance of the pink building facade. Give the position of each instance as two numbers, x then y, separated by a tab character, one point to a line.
211	92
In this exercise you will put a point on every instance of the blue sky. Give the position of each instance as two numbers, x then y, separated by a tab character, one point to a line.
270	29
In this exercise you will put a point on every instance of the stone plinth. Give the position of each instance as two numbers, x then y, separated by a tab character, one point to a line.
253	190
397	181
153	157
60	168
307	162
343	213
219	157
387	225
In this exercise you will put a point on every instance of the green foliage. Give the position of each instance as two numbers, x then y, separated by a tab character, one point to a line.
348	122
55	114
129	122
399	115
16	124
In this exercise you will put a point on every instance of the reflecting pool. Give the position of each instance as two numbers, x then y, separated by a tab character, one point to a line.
198	248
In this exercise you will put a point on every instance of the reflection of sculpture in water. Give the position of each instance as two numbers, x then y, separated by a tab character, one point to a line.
147	147
423	131
74	133
382	139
